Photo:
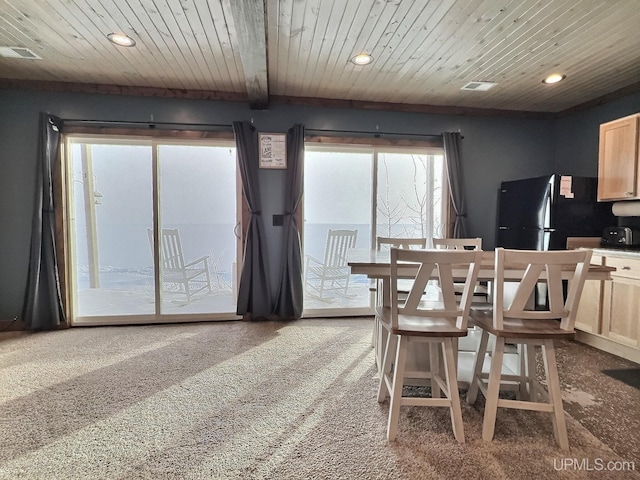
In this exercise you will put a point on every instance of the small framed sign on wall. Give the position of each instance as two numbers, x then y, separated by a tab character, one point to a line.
273	150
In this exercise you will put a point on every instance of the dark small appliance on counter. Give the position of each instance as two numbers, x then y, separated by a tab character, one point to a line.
620	237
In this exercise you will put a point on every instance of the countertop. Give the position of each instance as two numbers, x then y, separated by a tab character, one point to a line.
617	252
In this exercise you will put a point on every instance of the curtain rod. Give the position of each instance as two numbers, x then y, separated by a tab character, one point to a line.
149	124
152	124
377	133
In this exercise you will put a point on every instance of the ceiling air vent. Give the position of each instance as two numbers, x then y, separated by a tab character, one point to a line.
479	86
18	52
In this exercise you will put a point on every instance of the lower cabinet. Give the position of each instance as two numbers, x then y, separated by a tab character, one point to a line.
609	314
621	301
589	316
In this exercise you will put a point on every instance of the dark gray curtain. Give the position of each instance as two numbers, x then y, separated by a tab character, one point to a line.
289	299
254	294
453	161
42	309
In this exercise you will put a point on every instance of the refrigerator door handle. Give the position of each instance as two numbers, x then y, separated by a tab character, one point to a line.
548	205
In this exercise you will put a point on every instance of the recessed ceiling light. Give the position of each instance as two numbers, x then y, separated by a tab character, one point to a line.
121	39
554	78
362	59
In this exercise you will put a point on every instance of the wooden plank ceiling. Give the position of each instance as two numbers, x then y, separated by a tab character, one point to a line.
259	51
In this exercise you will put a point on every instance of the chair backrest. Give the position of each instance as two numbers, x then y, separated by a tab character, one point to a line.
171	248
401	242
529	267
458	243
338	243
443	267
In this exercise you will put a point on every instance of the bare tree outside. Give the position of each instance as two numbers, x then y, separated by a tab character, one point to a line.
389	212
409	198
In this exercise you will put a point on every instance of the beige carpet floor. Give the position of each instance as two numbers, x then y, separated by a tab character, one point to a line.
267	400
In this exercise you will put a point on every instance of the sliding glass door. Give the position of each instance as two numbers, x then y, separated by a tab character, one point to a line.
151	229
337	200
363	192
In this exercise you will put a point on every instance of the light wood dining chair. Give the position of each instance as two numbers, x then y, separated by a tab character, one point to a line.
481	292
378	337
401	242
435	319
513	321
473	243
467	346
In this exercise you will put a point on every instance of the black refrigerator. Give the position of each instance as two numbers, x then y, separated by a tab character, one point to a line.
540	213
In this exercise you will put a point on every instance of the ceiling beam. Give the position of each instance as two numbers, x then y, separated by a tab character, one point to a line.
250	29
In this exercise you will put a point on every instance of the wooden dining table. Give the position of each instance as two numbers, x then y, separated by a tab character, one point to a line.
375	264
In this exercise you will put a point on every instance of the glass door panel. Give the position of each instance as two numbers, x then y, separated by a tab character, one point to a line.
337	196
398	191
111	206
198	207
409	199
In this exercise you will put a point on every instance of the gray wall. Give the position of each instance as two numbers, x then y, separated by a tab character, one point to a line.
494	149
576	142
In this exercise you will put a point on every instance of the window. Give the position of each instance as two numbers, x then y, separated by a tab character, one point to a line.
409	195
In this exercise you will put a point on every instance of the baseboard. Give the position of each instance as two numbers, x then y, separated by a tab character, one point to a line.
603	343
14	325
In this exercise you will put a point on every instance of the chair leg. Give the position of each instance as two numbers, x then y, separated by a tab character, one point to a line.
524	382
207	275
434	366
385	367
531	373
455	351
305	283
383	333
186	289
375	337
493	390
346	285
476	376
321	288
396	389
452	384
555	394
374	334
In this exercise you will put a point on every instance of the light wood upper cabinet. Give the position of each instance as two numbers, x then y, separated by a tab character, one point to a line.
618	175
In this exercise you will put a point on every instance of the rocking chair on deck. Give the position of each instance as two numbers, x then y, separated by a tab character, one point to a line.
178	276
331	274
